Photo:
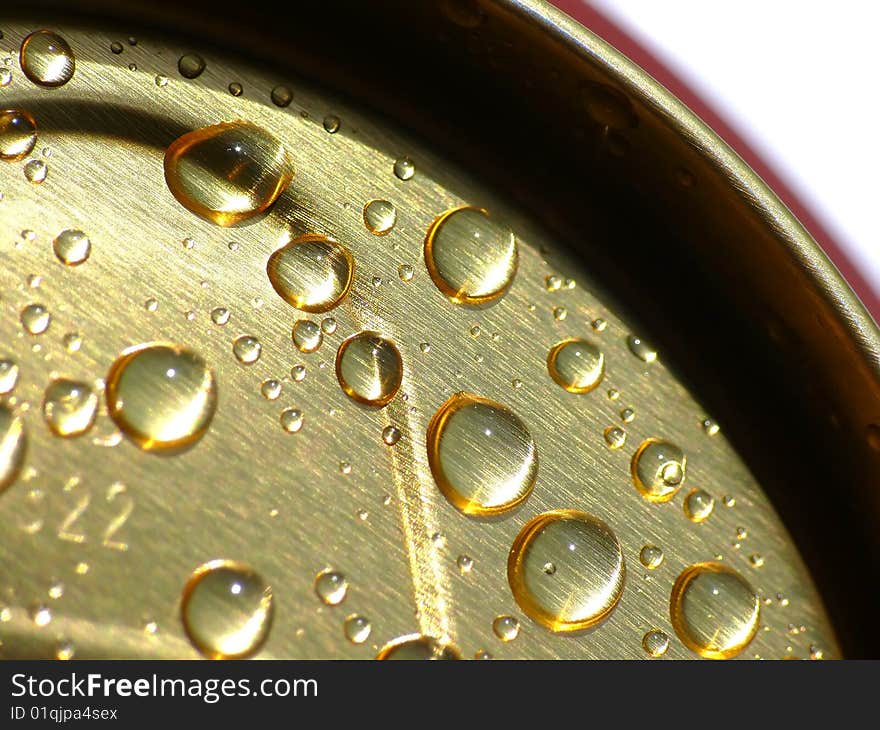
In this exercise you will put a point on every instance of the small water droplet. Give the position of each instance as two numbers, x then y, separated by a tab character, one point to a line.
331	587
64	650
291	420
369	368
220	315
559	313
56	590
132	67
658	470
377	281
390	435
465	564
600	325
307	335
190	65
576	365
151	304
271	389
5	76
714	610
344	467
72	342
161	81
698	505
246	349
8	376
69	407
589	576
710	427
312	273
641	349
417	648
655	643
405	272
357	628
226	610
281	96
615	437
506	628
18	134
13	445
116	47
404	168
328	325
235	88
425	347
36	171
47	59
332	123
481	455
35	318
40	615
651	557
756	560
471	258
161	396
298	373
72	247
228	172
627	415
553	283
379	217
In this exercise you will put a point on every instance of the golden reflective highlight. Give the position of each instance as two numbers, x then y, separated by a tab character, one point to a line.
47	59
415	647
13	445
162	396
566	570
658	470
227	610
481	455
471	258
369	368
313	273
576	365
228	172
714	611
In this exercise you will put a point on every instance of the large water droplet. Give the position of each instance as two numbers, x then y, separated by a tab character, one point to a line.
313	273
47	59
481	454
471	258
658	469
13	444
577	365
417	648
72	247
714	610
589	576
69	407
227	610
18	134
228	172
369	368
161	396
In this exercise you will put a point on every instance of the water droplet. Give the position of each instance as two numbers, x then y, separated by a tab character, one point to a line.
151	305
390	435
332	123
357	628
298	373
576	365
5	76
369	368
344	467
379	216
710	427
161	81
18	134
13	445
116	47
481	454
658	470
281	96
226	610
714	610
553	283
65	650
47	59
589	576
72	342
313	273
331	587
69	407
425	347
698	505
56	590
405	272
756	560
471	258
328	325
40	615
132	67
506	628
615	437
270	389
8	376
190	65
36	171
641	349
72	247
465	564
220	315
608	106
627	415
418	648
291	420
246	349
404	168
559	313
35	318
655	643
228	172
307	335
600	325
651	557
235	88
161	396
